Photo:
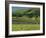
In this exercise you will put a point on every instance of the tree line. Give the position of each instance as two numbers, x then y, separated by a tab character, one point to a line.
28	12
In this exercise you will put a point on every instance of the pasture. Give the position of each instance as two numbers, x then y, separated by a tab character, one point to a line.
25	18
22	27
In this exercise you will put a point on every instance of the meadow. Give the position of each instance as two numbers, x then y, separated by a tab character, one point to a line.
25	19
22	27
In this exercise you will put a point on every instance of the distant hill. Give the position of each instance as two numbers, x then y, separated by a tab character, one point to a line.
19	8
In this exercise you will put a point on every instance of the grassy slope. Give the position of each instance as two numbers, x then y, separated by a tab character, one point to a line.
18	27
26	19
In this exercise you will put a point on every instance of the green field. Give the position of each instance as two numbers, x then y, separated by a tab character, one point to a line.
20	27
25	18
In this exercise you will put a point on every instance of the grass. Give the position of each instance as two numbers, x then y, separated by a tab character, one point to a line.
19	27
26	19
